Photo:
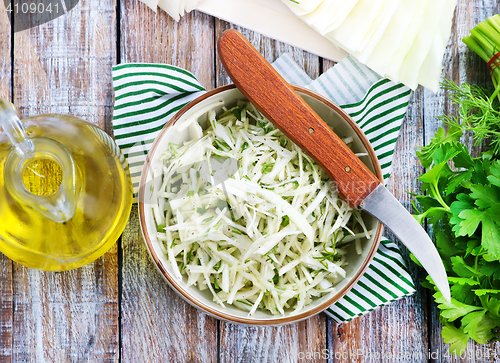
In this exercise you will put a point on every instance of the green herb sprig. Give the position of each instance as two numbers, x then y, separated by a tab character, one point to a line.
478	112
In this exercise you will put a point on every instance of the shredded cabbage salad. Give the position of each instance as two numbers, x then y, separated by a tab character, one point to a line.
244	212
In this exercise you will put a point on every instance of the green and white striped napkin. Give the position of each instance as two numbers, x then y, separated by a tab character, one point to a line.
148	95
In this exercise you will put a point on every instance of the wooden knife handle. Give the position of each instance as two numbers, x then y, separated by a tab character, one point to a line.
276	99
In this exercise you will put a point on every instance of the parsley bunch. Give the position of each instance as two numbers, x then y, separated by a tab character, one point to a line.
461	201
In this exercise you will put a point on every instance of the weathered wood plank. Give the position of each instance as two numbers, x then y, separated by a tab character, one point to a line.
299	342
5	53
157	325
65	67
289	343
460	65
68	316
327	64
157	38
6	295
6	309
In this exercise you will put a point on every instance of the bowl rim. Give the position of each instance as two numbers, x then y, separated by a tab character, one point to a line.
218	313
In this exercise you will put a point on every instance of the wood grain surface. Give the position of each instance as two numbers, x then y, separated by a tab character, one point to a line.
64	67
119	309
157	325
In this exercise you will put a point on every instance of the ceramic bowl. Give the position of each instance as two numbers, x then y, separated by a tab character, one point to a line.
340	122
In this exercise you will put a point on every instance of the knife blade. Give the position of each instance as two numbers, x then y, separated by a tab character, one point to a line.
356	184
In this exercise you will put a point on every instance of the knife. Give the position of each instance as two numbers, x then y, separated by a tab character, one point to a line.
356	184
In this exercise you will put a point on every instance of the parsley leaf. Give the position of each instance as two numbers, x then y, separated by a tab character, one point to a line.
494	178
490	238
491	269
458	180
470	221
485	196
456	337
444	244
462	269
463	281
493	306
463	293
454	309
426	154
478	326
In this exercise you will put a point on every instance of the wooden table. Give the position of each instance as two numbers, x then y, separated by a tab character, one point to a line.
119	308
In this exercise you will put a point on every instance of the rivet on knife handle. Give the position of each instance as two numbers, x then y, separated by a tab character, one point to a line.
353	179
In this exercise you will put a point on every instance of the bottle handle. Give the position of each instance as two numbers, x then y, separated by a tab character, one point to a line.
14	129
58	207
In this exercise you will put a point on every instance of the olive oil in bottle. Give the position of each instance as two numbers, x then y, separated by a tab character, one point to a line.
65	191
